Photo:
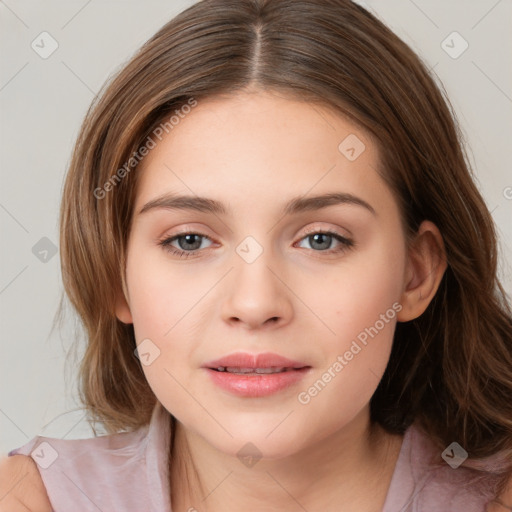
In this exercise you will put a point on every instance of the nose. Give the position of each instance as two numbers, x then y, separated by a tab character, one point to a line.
258	295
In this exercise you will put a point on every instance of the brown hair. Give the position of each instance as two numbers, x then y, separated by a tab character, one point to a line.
450	369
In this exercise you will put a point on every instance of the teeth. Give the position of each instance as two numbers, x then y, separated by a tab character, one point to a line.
270	370
235	369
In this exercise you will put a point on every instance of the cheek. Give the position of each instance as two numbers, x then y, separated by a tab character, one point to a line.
161	336
162	304
161	295
359	305
362	293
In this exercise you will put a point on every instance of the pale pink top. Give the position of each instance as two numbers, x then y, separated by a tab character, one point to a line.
128	472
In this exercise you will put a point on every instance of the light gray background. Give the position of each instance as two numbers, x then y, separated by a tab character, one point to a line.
42	104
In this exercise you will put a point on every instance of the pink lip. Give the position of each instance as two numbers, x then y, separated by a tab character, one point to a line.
245	360
252	385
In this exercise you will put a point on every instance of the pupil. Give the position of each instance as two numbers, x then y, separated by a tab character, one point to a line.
318	238
188	241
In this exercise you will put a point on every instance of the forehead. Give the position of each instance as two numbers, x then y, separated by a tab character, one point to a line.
250	146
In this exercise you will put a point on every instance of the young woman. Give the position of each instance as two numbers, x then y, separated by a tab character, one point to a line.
287	277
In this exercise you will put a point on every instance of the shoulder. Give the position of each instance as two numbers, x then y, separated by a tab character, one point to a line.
47	451
123	471
17	465
75	469
438	478
21	486
96	455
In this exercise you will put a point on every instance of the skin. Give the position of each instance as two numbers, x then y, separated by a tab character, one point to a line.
254	152
21	486
317	455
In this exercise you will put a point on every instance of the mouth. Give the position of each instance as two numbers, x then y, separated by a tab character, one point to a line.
242	362
255	371
253	376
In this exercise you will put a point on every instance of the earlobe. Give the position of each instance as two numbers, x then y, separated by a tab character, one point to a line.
426	264
122	310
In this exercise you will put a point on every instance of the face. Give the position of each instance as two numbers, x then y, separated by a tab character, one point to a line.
270	270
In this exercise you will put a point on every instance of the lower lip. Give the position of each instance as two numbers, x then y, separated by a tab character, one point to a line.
256	385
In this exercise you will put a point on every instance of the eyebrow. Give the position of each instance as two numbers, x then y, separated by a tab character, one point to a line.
295	205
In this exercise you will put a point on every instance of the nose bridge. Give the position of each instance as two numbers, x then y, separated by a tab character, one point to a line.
256	295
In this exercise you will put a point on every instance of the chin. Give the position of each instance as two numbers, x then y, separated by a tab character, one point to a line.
267	439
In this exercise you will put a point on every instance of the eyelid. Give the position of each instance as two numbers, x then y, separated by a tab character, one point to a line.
333	231
187	230
345	242
165	242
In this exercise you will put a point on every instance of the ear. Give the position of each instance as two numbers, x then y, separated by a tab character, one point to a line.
426	264
122	308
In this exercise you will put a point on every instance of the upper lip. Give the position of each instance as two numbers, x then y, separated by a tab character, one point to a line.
245	360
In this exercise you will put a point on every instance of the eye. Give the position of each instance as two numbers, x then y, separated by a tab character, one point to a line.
189	244
321	241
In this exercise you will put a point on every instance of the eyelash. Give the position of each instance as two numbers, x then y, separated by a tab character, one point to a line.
166	243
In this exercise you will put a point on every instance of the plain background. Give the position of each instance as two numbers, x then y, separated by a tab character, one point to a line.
42	104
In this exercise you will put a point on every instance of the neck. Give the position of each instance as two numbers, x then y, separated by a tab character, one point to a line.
349	470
